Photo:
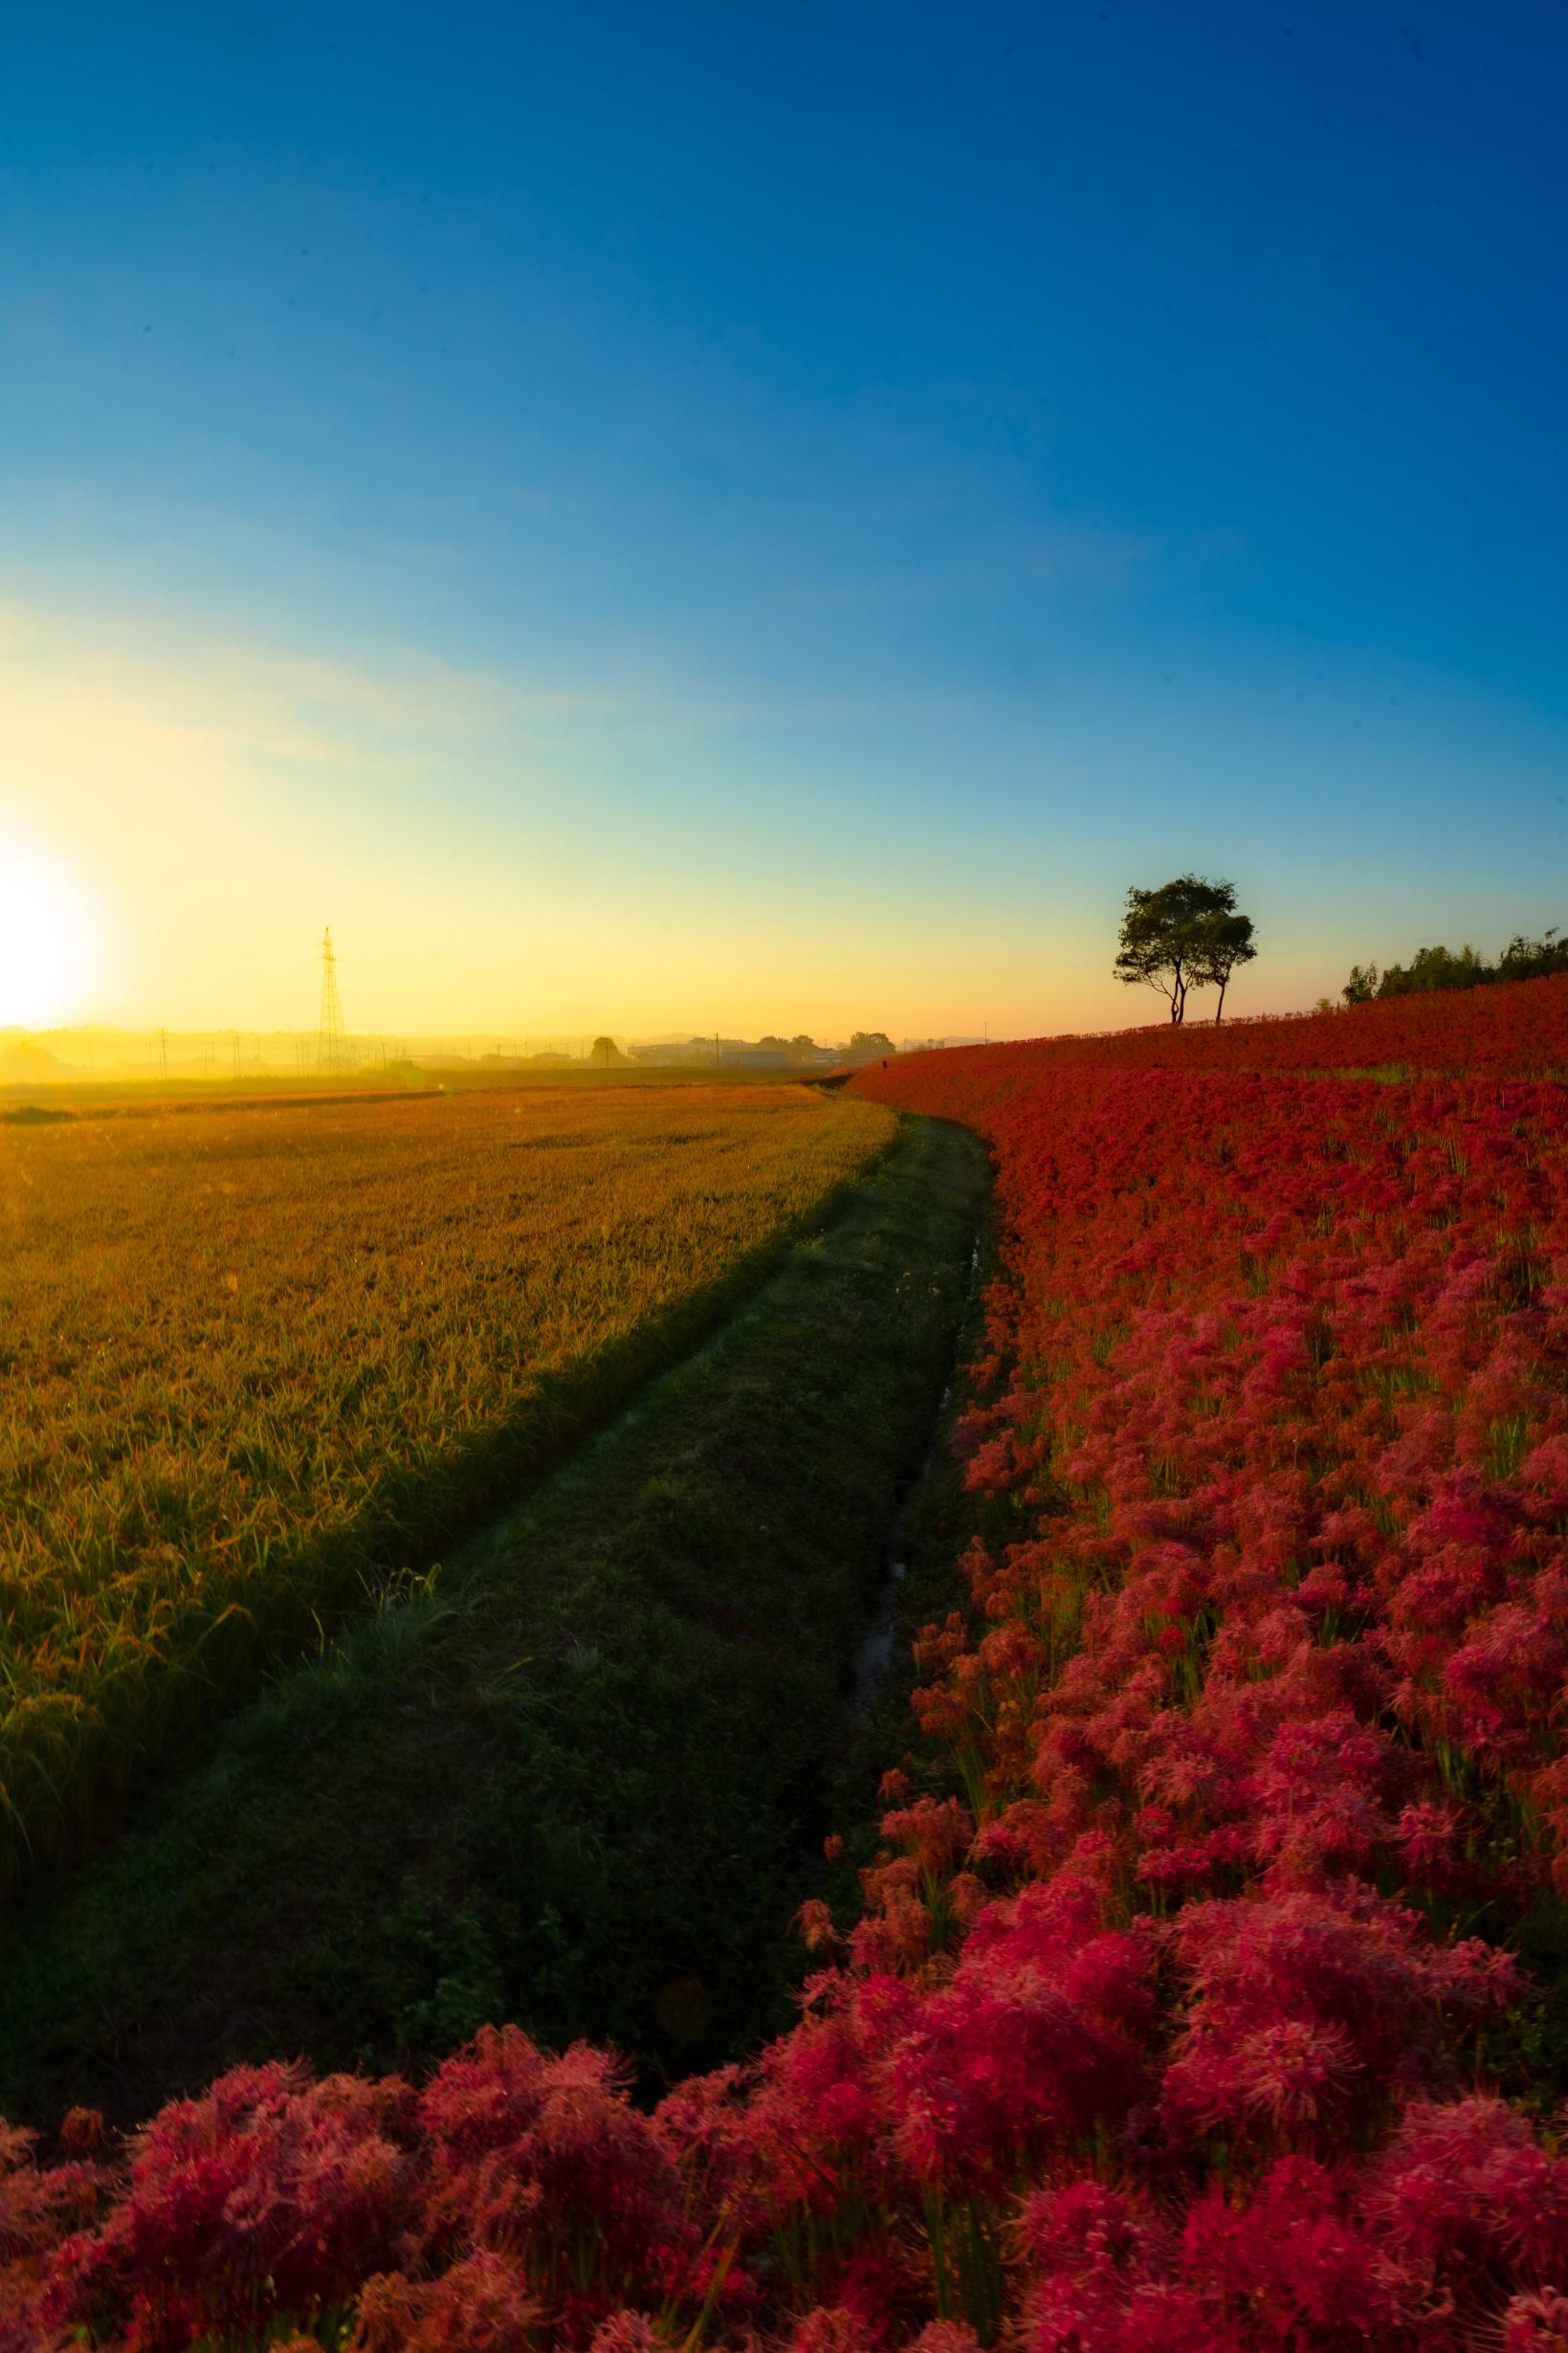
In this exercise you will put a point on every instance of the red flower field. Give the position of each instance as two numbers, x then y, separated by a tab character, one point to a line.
1205	1994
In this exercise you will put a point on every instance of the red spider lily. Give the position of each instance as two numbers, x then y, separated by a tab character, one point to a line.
483	2304
1157	2033
270	2194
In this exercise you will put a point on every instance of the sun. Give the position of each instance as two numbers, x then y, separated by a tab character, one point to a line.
49	938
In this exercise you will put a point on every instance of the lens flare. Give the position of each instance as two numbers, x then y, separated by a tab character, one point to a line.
51	938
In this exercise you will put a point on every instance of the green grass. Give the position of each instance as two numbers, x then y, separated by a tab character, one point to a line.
577	1777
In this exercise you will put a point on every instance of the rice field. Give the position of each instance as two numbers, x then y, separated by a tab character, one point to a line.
259	1361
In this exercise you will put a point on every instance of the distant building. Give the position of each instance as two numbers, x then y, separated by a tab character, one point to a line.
663	1056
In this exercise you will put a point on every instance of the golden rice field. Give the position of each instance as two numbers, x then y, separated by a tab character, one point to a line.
256	1360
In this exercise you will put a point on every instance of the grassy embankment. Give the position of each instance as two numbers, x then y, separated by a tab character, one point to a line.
575	1779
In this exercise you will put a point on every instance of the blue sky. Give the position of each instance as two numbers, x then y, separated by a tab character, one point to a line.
776	517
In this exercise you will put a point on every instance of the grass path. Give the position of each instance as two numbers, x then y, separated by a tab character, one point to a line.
576	1778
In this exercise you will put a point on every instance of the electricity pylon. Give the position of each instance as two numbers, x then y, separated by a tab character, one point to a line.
331	1045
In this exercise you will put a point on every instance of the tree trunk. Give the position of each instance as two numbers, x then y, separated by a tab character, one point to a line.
1220	1007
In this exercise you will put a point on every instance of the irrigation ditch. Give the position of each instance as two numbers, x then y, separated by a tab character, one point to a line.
579	1775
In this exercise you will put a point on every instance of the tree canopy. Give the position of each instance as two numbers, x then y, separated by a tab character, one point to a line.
1187	934
866	1046
1464	967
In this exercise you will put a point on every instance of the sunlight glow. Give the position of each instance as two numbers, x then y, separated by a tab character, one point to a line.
49	938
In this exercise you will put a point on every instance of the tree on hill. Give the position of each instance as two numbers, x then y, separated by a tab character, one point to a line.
1186	934
1436	967
1445	967
1223	943
1533	960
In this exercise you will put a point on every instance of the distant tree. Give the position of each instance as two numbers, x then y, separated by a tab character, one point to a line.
870	1041
1185	935
1533	960
802	1047
1436	967
1444	967
606	1052
1222	942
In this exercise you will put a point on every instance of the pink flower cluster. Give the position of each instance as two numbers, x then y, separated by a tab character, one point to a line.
515	2194
1181	2013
